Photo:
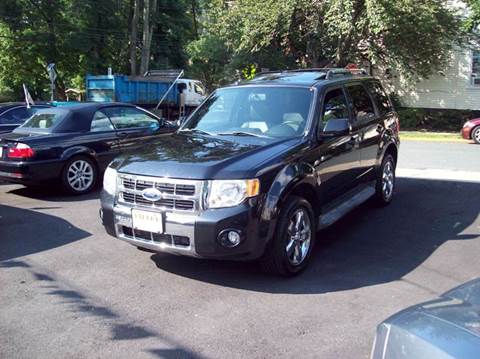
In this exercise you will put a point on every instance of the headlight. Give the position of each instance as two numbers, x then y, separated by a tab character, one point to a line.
229	193
110	181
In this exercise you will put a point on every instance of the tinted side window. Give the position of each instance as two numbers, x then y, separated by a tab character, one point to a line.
334	106
128	117
100	122
15	116
381	98
362	104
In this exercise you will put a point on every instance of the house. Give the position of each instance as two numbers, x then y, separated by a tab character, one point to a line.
457	87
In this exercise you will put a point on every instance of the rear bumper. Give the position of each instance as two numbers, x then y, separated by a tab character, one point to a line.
30	172
194	235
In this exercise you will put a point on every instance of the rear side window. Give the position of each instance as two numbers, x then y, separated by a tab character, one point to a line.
334	106
381	98
362	104
44	119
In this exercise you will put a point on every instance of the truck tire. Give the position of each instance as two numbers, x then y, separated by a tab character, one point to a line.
385	184
290	249
79	175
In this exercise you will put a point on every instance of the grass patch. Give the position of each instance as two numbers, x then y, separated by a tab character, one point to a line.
431	136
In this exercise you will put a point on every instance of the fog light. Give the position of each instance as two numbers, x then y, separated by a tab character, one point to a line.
230	238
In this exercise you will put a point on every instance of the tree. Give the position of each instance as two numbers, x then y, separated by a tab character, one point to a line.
412	36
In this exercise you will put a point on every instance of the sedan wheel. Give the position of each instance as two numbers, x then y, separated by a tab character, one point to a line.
476	135
79	175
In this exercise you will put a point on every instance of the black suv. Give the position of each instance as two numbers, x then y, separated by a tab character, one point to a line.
257	169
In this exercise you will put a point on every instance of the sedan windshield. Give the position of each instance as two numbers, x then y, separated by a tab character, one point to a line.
44	119
253	111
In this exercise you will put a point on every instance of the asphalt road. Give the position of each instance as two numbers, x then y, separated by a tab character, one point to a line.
69	290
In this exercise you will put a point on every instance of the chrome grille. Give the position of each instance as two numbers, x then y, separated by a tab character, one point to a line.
177	195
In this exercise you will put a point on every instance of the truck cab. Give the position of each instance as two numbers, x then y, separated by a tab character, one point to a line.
258	169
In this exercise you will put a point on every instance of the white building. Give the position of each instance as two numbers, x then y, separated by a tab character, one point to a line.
456	87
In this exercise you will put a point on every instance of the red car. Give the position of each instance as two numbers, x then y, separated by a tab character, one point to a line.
471	130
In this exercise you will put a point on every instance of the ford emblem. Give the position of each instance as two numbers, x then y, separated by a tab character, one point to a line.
151	194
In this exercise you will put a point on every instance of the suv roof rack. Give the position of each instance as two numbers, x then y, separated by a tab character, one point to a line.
327	72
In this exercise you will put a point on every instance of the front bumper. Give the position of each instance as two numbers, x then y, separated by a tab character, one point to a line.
192	234
466	132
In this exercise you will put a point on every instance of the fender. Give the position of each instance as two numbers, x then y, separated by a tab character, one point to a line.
386	142
287	180
77	150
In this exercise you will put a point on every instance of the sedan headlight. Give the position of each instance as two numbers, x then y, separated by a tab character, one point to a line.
229	193
110	181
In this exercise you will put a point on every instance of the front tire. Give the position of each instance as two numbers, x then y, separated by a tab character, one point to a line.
80	175
385	185
476	135
289	252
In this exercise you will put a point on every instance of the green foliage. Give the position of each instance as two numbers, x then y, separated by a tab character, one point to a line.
434	119
81	37
219	39
413	37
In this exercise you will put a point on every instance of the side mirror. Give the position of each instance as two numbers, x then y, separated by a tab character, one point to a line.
336	127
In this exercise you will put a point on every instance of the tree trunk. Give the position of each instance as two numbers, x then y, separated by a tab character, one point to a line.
149	11
194	15
133	37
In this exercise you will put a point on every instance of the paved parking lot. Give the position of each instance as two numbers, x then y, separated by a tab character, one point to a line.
69	290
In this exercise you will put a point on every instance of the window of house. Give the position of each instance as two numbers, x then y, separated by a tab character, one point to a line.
475	68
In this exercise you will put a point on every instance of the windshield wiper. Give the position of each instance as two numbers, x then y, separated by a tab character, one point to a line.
197	131
241	133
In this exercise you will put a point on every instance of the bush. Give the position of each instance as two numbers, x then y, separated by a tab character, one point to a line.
439	120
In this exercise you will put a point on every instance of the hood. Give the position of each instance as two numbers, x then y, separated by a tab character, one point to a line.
459	309
197	156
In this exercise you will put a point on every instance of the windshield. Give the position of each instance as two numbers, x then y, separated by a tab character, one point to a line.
44	119
254	111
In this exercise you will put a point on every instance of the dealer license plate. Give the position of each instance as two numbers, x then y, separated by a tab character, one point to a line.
147	221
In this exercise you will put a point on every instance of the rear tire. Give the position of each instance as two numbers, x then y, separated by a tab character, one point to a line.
476	135
385	185
290	249
79	175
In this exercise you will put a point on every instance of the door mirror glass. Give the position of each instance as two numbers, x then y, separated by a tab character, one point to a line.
336	127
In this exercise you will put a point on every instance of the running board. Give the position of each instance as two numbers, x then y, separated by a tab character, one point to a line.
344	207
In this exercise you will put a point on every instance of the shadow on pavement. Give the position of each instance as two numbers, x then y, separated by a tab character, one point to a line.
119	327
24	232
369	246
52	193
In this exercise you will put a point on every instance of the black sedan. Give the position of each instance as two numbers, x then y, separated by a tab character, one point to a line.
75	144
13	114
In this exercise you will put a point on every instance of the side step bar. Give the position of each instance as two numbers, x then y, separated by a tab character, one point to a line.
340	210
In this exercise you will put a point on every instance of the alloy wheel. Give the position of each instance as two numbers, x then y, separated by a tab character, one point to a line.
80	175
388	180
477	136
299	234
